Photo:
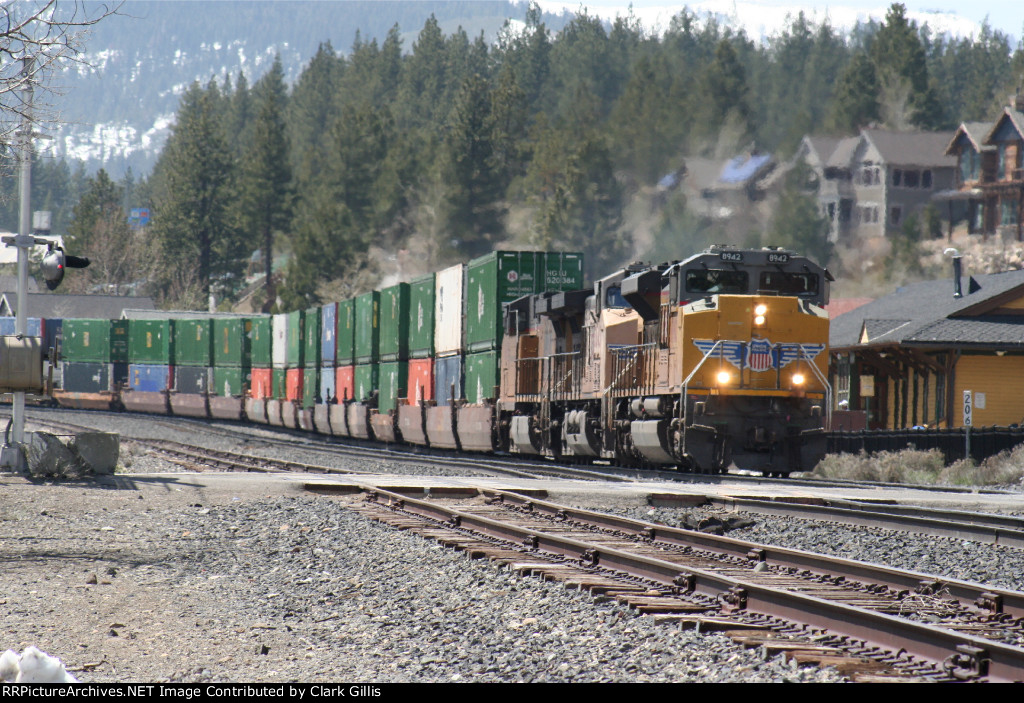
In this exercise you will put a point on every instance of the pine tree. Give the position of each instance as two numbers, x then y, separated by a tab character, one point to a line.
99	230
473	202
192	222
856	100
265	179
902	68
798	223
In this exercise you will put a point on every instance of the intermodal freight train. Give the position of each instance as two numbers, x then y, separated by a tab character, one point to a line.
701	364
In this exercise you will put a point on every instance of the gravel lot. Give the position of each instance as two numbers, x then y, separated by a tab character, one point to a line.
186	577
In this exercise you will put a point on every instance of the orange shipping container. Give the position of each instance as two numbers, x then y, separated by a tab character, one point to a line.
293	384
345	382
421	380
262	383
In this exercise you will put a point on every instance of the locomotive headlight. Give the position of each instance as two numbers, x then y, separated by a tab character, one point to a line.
759	312
724	377
798	379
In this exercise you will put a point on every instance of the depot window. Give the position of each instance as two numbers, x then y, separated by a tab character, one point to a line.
716	281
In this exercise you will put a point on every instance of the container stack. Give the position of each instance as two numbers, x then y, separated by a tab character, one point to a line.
345	353
193	365
449	293
367	345
494	280
394	346
420	378
94	361
150	365
310	391
232	359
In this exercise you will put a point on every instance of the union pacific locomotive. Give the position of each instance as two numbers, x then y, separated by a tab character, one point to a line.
701	364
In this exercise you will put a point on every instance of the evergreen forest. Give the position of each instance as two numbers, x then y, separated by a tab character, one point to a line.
387	159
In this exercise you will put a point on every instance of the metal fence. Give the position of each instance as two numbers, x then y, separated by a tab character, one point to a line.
984	441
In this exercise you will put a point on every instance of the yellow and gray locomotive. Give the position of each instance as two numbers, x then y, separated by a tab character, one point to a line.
717	360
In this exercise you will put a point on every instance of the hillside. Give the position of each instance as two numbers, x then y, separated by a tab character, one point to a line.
116	107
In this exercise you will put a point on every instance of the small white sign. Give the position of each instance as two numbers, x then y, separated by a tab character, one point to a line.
968	407
979	401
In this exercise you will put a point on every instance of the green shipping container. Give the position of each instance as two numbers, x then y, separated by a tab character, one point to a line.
394	379
311	384
228	381
119	336
151	341
394	323
232	341
421	317
481	375
503	276
193	342
346	332
367	380
86	340
311	330
367	328
296	341
261	339
279	378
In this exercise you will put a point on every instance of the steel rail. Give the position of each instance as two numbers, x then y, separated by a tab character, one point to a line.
995	661
996	530
1010	602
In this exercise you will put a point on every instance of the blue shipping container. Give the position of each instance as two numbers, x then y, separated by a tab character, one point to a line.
328	334
33	326
150	377
327	384
447	372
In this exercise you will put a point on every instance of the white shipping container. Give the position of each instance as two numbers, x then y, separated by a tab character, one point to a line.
279	348
449	294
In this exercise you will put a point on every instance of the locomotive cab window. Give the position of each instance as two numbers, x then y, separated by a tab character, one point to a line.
613	298
716	281
785	283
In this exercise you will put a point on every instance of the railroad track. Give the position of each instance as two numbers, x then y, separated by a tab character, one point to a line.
870	621
500	464
985	528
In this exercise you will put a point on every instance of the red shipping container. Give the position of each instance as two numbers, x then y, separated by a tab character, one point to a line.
262	383
293	384
421	380
345	382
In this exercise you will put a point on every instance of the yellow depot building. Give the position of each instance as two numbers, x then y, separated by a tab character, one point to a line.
906	360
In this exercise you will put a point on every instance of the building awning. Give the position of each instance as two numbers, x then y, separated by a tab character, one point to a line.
972	194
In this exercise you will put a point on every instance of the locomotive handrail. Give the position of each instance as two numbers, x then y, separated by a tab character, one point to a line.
636	353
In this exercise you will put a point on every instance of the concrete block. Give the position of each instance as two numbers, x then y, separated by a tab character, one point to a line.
98	450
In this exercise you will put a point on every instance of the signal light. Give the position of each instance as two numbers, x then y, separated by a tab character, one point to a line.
54	263
798	379
724	377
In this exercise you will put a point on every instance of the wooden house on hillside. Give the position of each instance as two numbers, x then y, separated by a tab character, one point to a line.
990	172
905	360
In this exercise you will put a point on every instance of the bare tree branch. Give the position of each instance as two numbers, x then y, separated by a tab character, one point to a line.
49	34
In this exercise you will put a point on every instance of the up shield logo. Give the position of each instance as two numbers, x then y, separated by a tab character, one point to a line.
759	354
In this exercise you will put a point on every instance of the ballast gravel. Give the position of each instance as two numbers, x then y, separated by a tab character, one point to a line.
993	565
124	584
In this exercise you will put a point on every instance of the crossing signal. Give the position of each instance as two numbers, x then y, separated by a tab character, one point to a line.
54	263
